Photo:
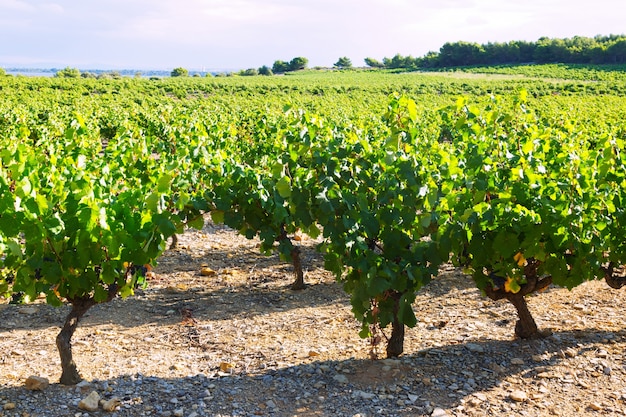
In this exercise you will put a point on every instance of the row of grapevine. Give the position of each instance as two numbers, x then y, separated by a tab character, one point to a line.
521	201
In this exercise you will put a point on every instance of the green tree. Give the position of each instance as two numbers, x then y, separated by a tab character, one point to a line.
298	63
399	61
248	72
374	63
265	70
343	62
280	67
68	72
2	72
179	72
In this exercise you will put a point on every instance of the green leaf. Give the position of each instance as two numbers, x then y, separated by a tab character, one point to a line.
405	312
164	183
283	186
217	216
197	222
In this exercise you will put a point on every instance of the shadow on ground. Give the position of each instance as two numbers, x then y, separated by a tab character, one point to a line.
445	377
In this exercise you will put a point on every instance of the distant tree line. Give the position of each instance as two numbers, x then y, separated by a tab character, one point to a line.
577	50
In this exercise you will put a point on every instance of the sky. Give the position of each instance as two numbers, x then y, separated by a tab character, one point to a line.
241	34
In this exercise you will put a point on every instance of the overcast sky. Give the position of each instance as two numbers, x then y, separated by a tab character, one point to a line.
239	34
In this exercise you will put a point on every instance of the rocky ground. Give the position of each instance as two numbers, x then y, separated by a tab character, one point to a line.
236	341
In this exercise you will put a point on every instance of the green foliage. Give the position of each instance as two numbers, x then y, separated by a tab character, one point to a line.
68	72
265	70
280	67
577	50
298	63
343	62
248	72
179	72
95	174
374	63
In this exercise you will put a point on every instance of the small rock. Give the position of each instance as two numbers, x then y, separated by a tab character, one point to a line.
473	347
28	310
227	367
111	404
595	406
537	358
178	367
207	272
570	352
480	396
517	361
36	383
518	396
391	362
84	385
313	353
439	412
364	395
474	402
341	378
179	412
8	406
412	397
90	403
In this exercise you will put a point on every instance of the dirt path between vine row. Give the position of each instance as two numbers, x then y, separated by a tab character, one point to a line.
239	342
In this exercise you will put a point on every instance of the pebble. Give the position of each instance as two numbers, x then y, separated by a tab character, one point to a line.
473	347
595	406
111	405
341	378
364	395
518	396
439	412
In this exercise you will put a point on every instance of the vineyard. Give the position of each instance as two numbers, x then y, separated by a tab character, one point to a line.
511	181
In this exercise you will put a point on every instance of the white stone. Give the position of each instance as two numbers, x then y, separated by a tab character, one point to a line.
439	412
518	396
90	403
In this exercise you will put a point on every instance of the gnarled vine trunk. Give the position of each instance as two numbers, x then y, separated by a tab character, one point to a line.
298	284
525	327
70	375
395	344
